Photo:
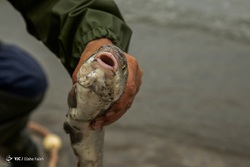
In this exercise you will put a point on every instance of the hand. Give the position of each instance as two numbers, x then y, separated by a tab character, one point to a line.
132	87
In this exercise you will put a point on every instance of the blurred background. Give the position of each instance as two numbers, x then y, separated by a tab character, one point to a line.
193	109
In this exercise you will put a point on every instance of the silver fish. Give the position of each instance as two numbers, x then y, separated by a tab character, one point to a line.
101	81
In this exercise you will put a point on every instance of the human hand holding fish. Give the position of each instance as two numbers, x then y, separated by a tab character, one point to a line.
132	86
106	81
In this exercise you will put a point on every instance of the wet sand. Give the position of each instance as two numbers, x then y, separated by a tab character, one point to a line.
192	109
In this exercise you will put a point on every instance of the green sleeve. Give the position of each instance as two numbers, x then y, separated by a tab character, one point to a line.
66	26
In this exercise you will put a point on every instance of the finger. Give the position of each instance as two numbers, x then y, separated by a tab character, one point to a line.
97	123
104	121
117	110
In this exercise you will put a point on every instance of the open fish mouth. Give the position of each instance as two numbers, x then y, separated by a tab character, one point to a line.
107	61
104	73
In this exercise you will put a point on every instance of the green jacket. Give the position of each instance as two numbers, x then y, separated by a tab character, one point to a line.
66	26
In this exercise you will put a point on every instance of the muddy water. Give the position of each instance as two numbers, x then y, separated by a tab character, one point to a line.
227	18
193	109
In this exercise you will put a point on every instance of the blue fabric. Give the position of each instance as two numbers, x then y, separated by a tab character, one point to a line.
20	74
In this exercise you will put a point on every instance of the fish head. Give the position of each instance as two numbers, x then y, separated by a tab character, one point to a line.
105	72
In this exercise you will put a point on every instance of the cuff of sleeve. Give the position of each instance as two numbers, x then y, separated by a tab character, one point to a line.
97	33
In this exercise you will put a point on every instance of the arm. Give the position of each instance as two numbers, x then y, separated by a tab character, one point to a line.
74	29
67	26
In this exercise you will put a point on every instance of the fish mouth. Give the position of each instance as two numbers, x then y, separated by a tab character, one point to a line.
107	60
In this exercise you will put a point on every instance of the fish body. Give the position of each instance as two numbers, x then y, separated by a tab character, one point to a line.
101	81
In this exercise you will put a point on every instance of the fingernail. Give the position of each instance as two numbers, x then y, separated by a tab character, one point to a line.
108	114
94	126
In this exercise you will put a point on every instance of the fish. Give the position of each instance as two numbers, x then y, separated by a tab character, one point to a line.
101	80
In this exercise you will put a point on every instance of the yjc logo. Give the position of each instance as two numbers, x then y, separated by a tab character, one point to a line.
18	158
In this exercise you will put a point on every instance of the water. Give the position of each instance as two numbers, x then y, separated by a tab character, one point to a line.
193	108
226	18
